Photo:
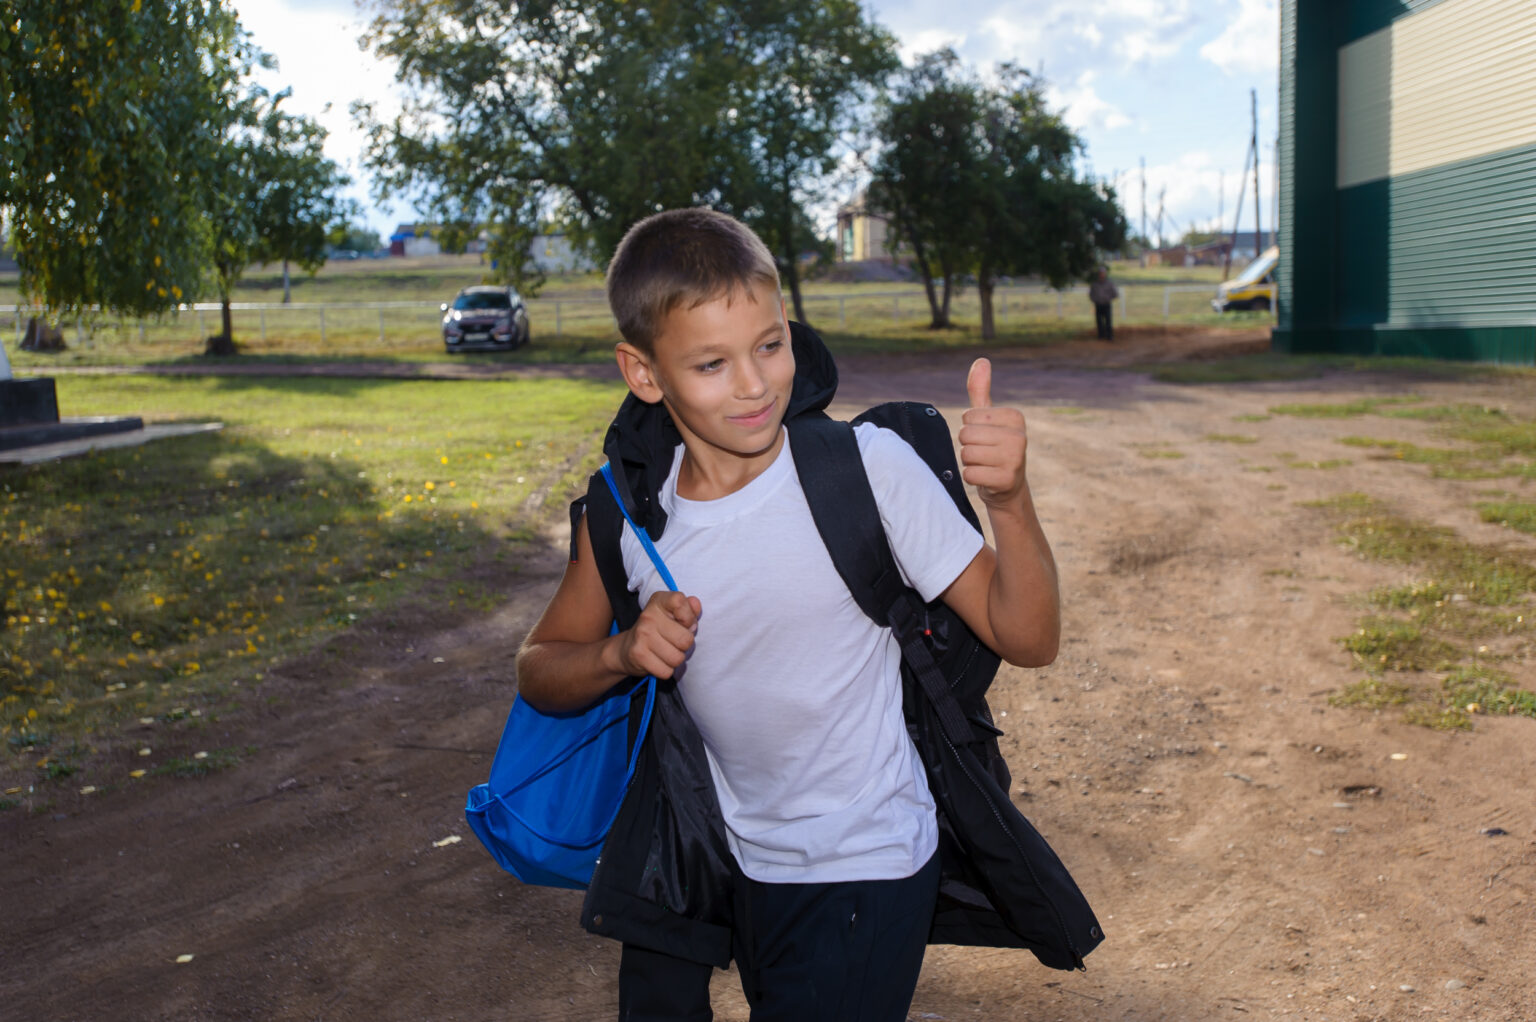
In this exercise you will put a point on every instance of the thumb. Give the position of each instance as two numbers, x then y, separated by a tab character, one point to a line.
978	383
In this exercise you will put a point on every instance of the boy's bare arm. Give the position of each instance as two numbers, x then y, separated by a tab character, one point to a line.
568	661
1010	598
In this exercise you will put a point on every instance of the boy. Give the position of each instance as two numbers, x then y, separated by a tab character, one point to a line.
829	827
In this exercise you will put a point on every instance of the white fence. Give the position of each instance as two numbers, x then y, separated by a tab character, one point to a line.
420	321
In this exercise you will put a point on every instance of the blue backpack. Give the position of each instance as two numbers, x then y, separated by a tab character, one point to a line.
558	779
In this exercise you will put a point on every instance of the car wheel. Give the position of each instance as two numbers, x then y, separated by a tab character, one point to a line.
1261	304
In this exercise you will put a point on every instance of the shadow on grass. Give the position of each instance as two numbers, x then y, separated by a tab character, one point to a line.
140	582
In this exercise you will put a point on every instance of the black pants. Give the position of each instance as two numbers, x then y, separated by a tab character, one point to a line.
1103	314
847	952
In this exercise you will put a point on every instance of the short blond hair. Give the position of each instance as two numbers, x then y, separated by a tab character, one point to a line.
682	257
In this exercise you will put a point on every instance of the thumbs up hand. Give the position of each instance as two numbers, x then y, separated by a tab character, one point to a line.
993	443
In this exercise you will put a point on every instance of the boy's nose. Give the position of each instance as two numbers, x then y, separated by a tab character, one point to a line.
750	383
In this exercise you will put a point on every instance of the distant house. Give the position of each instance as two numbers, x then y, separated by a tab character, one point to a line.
554	253
420	240
865	236
1214	252
550	253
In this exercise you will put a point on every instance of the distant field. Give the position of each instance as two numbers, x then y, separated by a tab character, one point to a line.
570	317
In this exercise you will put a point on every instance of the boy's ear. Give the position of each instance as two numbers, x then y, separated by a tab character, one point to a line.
637	372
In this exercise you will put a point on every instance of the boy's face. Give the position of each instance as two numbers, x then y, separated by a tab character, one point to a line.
724	370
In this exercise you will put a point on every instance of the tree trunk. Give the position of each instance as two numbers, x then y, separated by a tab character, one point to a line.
935	314
223	343
942	322
42	337
287	295
787	233
984	285
794	293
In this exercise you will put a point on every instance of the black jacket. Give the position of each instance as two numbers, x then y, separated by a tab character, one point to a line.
664	878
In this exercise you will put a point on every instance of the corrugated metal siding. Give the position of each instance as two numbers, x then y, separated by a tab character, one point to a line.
1285	289
1461	243
1463	82
1365	110
1453	83
1362	17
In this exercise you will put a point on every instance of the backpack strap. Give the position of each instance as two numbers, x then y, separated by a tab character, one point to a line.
605	525
836	486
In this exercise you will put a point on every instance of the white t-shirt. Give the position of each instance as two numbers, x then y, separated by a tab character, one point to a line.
797	693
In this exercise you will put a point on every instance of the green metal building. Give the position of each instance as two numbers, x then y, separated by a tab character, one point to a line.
1408	178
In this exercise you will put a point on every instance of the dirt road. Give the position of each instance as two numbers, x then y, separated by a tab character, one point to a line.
1251	850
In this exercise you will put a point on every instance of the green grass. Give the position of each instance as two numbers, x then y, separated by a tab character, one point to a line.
1231	438
1343	409
1479	689
1498	445
142	580
1517	514
1389	644
570	317
1467	593
1372	694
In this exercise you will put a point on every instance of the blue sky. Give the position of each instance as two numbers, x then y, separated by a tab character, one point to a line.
1162	80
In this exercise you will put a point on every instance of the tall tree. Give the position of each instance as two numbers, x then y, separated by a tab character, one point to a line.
924	175
982	179
516	115
595	113
1033	214
805	70
111	112
276	197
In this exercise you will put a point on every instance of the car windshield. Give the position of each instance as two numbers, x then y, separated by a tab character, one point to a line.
1255	270
482	300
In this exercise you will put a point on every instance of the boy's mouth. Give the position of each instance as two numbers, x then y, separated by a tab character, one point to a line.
752	420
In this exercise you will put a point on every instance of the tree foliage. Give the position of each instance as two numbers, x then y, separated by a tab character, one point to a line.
596	114
112	112
274	197
981	178
923	177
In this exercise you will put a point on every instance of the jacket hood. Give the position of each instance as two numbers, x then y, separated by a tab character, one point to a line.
642	437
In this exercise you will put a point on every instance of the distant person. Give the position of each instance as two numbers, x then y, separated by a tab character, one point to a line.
1102	293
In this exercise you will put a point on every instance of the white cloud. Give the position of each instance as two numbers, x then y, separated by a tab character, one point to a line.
1083	108
926	41
318	58
1251	41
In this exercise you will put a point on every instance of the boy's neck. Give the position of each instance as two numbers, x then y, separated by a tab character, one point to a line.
709	473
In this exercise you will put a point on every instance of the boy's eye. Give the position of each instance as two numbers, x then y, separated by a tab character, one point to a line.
773	345
710	366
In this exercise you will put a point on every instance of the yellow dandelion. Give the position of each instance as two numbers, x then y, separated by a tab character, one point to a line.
136	774
278	598
431	485
443	459
159	601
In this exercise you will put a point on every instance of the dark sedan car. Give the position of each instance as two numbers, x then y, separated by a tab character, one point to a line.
485	317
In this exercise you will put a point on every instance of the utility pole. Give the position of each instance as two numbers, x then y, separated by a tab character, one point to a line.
1257	205
1144	238
1221	198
